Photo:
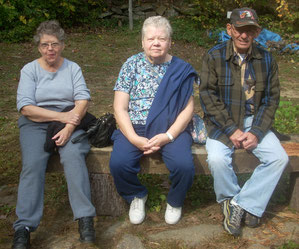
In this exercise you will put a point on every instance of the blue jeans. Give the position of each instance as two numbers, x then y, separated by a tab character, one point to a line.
256	192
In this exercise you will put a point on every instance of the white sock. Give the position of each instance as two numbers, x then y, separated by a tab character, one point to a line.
233	202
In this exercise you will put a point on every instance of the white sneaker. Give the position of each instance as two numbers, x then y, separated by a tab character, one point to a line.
172	214
137	210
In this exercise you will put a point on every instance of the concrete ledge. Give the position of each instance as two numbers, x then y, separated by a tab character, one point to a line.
98	161
107	201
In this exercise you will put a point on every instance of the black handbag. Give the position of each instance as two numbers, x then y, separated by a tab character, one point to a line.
99	134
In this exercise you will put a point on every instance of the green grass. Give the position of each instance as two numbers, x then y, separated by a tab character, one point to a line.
100	53
289	245
156	192
286	118
6	209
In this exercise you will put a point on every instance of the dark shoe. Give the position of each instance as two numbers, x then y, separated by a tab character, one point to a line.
21	239
251	220
232	217
86	230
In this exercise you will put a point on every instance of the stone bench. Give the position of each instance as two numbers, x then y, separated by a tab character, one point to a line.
108	202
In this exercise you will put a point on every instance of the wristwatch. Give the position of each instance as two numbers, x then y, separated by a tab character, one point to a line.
170	136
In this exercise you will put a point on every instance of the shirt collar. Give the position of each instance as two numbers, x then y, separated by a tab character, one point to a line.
236	53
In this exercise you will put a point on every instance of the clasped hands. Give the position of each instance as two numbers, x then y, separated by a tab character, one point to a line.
152	145
245	140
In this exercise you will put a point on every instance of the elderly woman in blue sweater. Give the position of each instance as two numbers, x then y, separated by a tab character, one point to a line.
47	85
153	105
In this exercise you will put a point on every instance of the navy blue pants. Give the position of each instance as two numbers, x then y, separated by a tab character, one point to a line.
177	156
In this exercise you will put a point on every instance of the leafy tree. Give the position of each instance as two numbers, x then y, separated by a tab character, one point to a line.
19	18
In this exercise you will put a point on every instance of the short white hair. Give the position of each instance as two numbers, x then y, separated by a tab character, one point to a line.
51	27
157	22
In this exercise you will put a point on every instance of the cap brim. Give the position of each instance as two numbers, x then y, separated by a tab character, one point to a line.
248	23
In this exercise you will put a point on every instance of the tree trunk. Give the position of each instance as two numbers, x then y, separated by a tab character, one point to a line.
105	197
130	15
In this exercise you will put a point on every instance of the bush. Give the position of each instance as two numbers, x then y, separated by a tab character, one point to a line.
19	18
188	30
282	15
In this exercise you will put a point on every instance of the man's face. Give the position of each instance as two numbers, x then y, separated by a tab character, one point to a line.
242	36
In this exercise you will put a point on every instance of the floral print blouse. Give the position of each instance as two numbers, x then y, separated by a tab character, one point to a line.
140	79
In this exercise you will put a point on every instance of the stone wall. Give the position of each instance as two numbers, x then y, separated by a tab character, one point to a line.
145	8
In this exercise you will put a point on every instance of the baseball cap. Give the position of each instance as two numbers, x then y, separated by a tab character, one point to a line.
243	17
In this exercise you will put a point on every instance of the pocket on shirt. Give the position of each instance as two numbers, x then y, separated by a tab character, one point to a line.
224	84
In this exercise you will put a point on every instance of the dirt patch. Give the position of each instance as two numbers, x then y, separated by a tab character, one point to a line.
58	231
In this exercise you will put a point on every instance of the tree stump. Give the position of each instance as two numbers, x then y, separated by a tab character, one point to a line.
105	197
294	189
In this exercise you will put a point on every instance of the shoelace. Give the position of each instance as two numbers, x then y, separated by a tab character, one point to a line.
136	203
237	215
172	209
86	223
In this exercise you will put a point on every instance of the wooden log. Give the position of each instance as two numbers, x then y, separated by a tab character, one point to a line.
294	190
105	197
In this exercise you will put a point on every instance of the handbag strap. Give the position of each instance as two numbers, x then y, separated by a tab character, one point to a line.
79	137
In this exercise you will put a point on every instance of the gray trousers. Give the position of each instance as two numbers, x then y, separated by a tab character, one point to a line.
32	179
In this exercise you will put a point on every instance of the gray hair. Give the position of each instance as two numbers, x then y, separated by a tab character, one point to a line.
157	22
51	27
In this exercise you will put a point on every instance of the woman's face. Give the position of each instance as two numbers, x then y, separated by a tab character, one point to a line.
156	44
50	49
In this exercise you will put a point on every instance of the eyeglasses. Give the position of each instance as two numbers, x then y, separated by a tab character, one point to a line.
52	44
240	30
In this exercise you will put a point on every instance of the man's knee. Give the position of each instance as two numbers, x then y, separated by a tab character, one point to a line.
280	160
276	157
284	159
217	161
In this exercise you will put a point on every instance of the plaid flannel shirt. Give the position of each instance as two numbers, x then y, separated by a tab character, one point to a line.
222	96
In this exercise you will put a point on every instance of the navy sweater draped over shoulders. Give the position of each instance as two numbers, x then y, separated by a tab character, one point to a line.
172	97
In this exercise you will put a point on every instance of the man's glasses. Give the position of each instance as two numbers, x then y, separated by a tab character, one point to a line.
251	31
52	44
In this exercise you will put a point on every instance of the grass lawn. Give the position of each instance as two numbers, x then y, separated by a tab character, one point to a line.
100	55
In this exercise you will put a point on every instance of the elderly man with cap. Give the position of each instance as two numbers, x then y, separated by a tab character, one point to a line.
239	94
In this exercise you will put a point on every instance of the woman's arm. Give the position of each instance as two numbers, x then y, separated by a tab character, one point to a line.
39	114
120	106
183	119
180	124
81	107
